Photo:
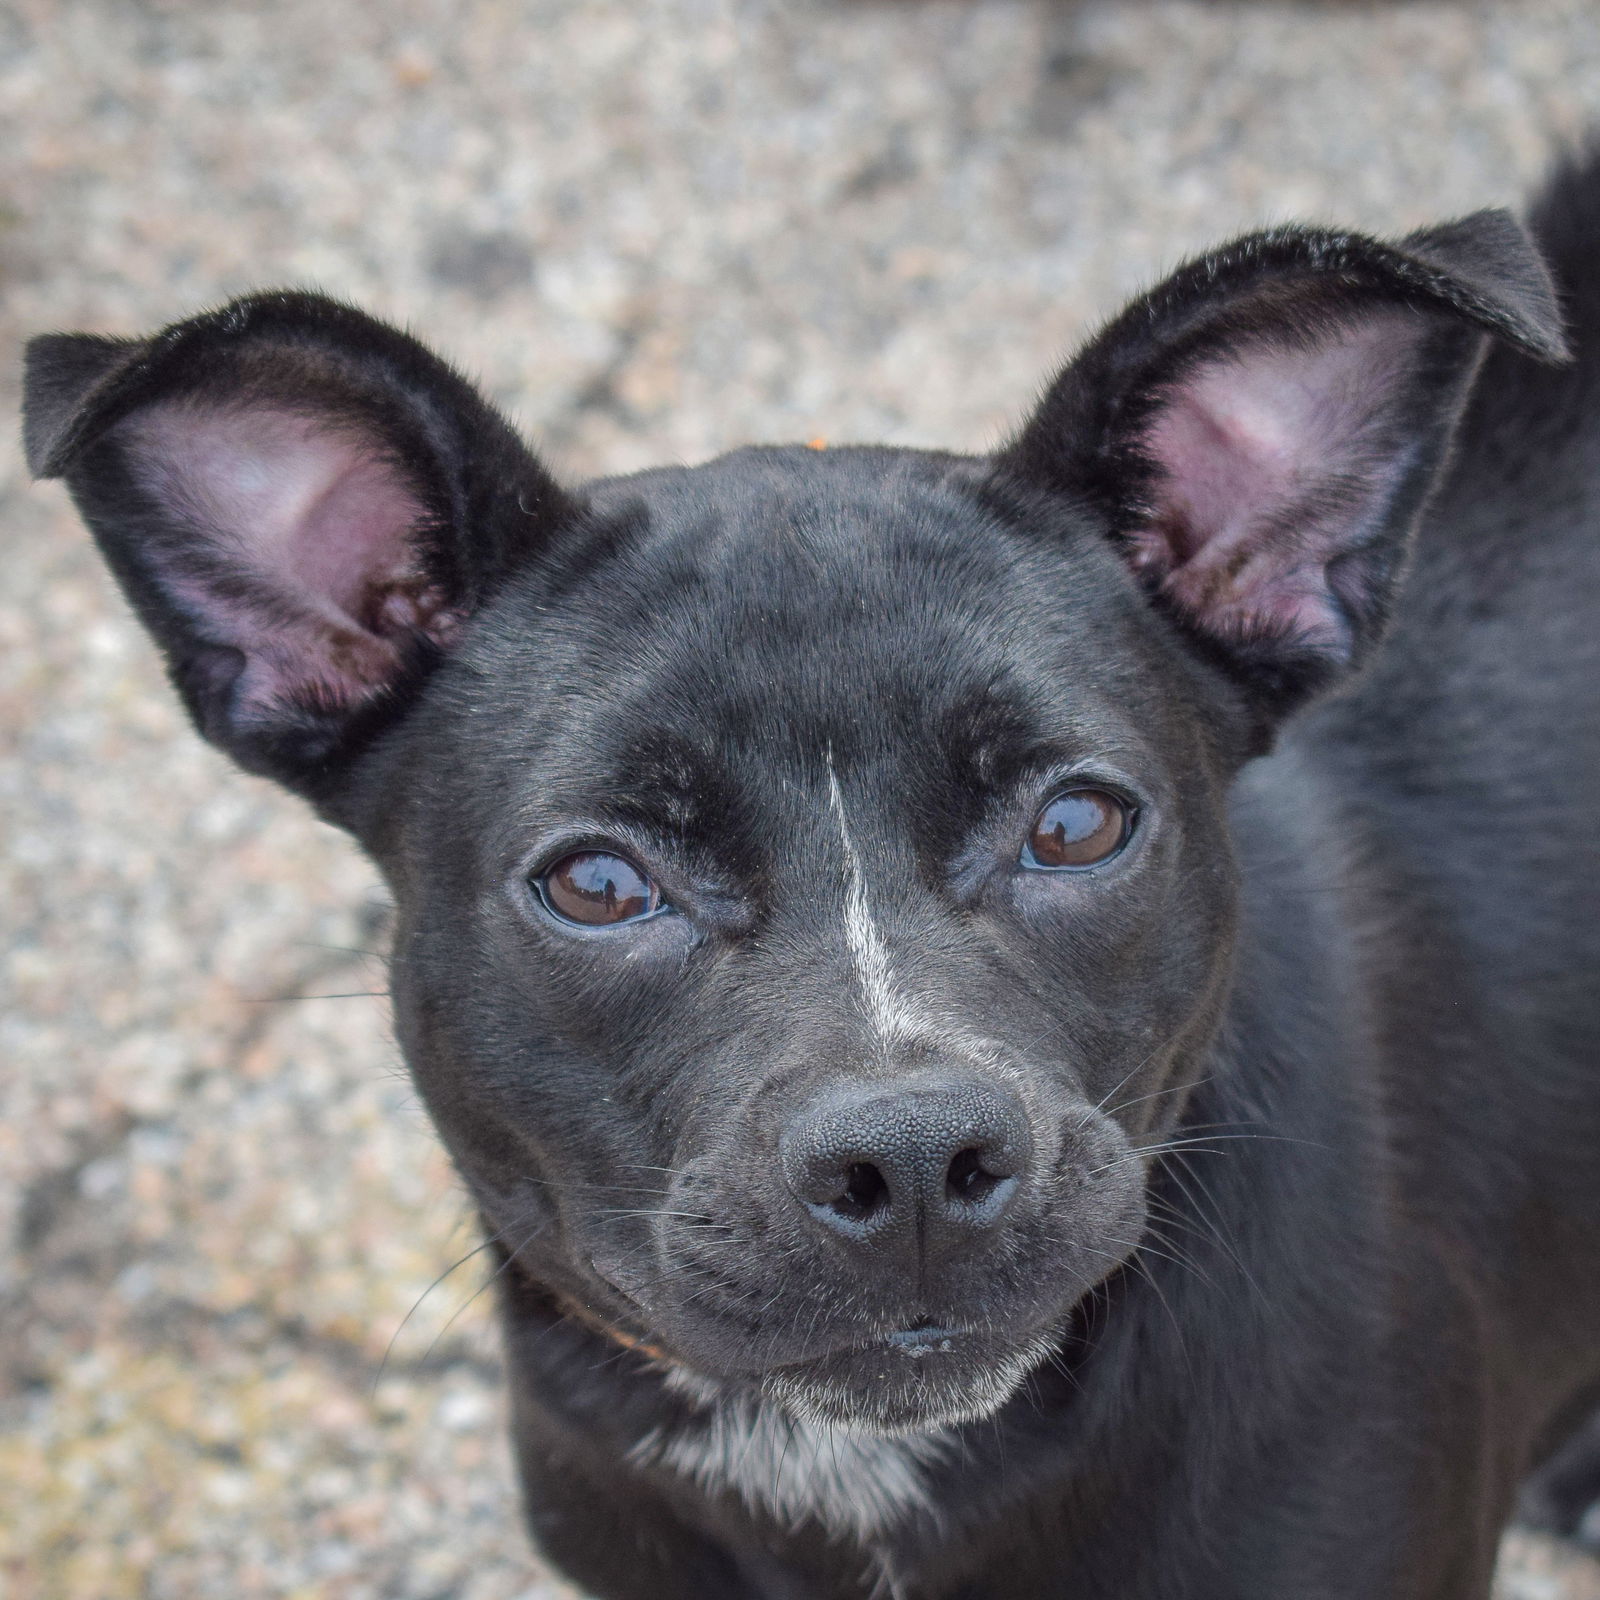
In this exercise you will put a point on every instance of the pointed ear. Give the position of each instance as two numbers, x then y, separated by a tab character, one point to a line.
1261	431
303	505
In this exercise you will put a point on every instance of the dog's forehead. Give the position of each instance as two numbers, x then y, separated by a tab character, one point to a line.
782	537
823	581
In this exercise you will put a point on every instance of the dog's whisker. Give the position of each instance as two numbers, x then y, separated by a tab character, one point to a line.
691	1216
450	1271
295	999
1156	1094
1121	1083
488	1283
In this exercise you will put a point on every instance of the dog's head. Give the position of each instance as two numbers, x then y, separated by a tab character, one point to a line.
815	890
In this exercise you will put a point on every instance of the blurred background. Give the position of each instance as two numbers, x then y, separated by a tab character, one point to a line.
655	231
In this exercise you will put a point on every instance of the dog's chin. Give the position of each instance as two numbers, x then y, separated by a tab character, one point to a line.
890	1389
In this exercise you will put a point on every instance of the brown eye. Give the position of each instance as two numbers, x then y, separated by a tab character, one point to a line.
597	889
1080	828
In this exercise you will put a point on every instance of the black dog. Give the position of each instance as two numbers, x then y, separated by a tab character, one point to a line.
1024	1026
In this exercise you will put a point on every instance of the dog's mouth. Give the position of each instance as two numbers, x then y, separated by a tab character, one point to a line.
922	1376
897	1370
911	1379
926	1339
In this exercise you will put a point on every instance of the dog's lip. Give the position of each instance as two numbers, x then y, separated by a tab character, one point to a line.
924	1339
909	1380
914	1341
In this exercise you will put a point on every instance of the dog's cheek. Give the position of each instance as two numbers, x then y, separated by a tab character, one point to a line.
514	1103
1132	975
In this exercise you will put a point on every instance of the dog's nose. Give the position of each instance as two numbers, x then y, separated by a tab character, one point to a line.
939	1162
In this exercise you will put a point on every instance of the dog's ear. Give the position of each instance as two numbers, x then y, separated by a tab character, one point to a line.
1261	431
302	503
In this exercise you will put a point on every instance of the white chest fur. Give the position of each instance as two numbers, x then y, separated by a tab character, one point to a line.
853	1484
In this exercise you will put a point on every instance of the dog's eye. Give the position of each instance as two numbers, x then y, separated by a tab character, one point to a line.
1080	828
597	889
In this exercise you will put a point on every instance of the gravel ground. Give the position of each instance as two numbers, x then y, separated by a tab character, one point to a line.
655	231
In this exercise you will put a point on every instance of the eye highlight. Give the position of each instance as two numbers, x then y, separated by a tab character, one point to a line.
1079	829
596	889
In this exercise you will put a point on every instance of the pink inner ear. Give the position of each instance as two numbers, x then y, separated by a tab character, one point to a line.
1275	461
297	545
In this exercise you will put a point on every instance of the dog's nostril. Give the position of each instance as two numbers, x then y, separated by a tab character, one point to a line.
865	1193
969	1179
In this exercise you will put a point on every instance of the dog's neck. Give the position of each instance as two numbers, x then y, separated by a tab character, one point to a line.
853	1484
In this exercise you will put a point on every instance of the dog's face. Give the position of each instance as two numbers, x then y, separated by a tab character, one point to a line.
814	885
797	937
